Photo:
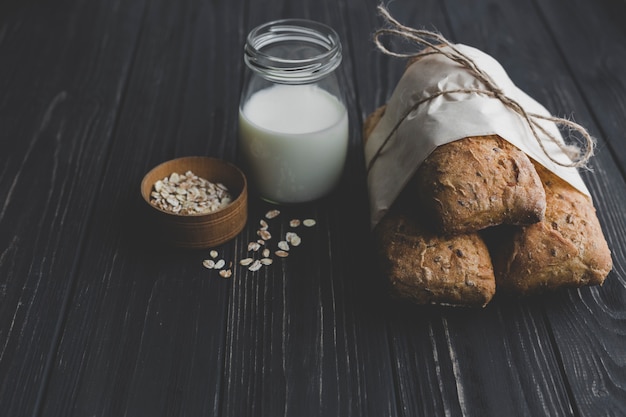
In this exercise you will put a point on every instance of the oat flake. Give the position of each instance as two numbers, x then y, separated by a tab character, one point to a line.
272	214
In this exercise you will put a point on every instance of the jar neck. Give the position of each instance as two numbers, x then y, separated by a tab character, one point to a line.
293	51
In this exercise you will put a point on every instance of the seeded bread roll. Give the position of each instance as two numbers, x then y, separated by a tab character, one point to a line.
479	182
426	268
475	183
566	249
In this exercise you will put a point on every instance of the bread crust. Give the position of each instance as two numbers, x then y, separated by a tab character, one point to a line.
475	183
541	232
567	249
479	182
428	268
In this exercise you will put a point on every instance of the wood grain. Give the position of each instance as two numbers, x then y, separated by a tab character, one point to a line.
59	102
301	340
587	330
97	319
148	321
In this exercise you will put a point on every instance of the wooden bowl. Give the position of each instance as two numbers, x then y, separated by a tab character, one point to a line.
199	230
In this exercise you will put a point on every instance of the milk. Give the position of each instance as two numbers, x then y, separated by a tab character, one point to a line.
295	140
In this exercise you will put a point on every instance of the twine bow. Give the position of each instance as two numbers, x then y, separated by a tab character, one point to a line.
434	43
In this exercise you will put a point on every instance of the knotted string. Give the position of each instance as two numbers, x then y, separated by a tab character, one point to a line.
434	43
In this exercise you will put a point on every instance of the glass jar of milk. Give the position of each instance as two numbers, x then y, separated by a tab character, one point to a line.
293	123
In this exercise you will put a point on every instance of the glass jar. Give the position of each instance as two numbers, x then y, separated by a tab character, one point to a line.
293	122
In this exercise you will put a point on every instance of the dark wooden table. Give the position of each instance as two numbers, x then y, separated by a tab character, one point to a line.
98	320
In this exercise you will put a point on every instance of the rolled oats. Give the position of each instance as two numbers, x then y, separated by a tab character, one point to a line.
272	214
189	194
264	234
293	239
246	261
256	265
282	248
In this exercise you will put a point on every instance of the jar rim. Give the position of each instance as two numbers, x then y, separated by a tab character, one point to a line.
326	58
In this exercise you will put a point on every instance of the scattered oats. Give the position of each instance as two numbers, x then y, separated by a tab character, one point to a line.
272	213
256	265
246	261
281	253
266	261
226	273
294	223
208	263
264	234
253	246
261	242
220	264
266	252
263	224
213	254
283	245
309	222
293	239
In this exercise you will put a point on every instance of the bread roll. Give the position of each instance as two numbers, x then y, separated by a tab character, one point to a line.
566	249
424	267
478	182
427	268
475	183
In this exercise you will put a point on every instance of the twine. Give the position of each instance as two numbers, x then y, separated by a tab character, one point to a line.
435	43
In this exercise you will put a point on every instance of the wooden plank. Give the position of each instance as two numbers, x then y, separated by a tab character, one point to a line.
587	325
592	39
145	330
64	69
305	337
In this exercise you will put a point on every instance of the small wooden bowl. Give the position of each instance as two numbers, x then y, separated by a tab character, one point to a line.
199	230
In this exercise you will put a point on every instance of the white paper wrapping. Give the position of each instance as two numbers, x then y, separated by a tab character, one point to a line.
450	117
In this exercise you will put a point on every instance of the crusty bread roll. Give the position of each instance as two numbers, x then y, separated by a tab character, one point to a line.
566	249
561	244
476	182
425	267
429	268
479	182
